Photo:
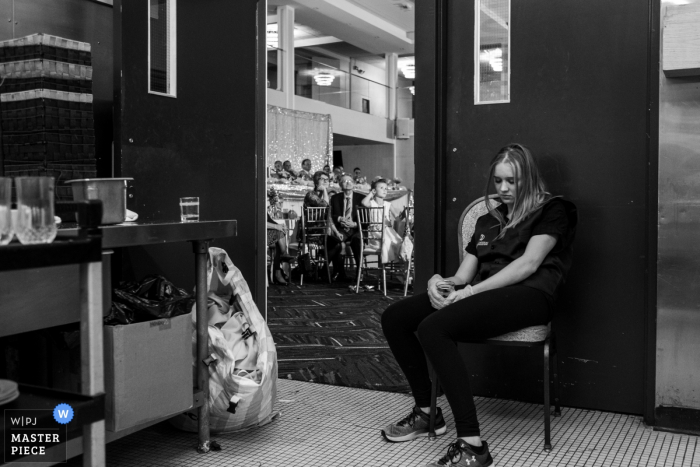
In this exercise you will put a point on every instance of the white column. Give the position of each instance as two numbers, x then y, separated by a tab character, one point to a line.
392	74
285	28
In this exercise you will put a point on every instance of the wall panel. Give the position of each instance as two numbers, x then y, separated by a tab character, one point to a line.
202	143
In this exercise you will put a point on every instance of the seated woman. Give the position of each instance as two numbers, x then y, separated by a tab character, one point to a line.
277	236
318	197
516	260
392	240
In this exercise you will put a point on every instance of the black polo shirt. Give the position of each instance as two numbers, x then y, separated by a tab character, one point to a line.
557	217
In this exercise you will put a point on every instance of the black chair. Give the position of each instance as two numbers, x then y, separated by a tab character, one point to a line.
314	228
371	221
534	336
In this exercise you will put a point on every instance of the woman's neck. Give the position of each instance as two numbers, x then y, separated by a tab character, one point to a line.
379	200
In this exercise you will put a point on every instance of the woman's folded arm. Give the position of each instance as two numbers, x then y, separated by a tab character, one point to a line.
520	269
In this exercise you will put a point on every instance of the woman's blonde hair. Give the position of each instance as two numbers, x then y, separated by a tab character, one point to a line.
531	191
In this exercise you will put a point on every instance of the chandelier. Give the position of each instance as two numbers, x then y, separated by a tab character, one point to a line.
324	78
412	89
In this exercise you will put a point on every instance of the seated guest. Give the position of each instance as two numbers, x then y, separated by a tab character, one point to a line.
287	169
318	197
357	176
327	169
344	226
357	173
337	173
278	171
305	172
392	240
277	236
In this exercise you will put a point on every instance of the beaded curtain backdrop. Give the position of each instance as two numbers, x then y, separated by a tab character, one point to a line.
294	136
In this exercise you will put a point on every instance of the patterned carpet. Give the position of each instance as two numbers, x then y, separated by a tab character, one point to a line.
327	334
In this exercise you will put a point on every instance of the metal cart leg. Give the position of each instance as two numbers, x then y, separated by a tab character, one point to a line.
92	366
201	250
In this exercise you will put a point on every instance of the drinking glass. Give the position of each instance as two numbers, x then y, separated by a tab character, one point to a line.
189	209
445	288
6	232
35	221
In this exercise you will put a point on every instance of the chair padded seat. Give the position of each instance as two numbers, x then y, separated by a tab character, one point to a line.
370	251
529	334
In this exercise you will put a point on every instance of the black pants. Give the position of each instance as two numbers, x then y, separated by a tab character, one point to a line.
482	316
335	249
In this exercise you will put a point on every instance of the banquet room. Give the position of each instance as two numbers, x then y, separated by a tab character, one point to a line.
372	233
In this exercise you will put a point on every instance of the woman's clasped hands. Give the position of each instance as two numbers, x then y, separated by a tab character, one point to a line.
458	295
441	292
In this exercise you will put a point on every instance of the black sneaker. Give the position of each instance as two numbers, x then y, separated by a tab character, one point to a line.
414	425
461	454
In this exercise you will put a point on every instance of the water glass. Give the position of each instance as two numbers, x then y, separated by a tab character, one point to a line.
189	209
6	231
35	214
445	288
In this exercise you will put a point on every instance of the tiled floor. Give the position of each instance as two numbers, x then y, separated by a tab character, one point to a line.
321	425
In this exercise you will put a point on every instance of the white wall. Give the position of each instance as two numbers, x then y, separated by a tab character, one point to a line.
369	85
404	98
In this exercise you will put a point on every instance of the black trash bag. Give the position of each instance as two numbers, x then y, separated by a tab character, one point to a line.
153	297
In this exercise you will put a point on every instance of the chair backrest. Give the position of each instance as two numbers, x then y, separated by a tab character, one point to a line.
314	222
467	222
291	228
371	222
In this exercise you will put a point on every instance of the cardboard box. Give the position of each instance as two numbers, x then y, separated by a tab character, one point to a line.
148	371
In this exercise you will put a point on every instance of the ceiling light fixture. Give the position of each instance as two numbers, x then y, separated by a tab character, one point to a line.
409	70
324	78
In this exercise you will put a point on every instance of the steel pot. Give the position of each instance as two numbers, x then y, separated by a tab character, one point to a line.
111	191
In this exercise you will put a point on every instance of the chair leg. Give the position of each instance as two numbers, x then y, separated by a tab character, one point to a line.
384	279
433	404
547	421
408	277
359	275
328	267
553	352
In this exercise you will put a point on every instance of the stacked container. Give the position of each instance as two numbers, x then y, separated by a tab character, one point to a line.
46	102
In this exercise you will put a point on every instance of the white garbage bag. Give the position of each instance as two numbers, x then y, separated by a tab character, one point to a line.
243	368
